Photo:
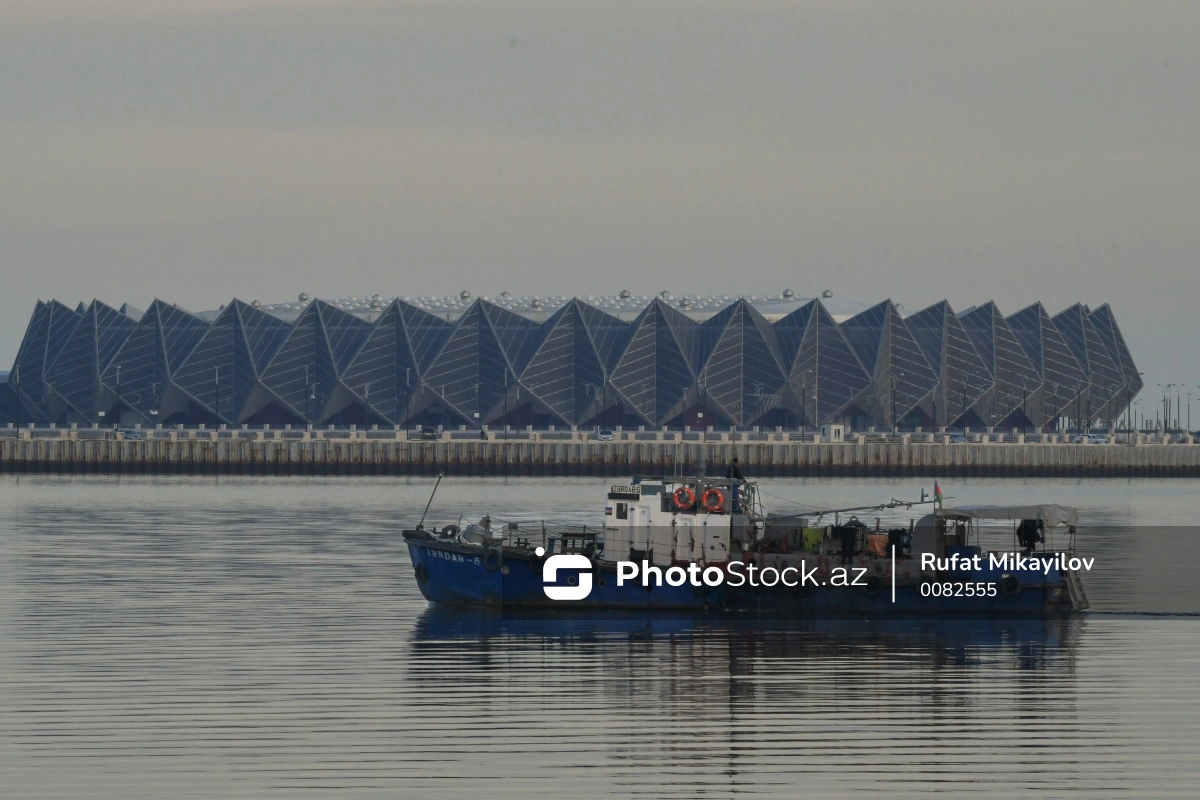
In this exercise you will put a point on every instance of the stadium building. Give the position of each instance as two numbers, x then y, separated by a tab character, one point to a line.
625	360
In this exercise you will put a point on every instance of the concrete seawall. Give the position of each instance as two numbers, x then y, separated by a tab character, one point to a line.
456	457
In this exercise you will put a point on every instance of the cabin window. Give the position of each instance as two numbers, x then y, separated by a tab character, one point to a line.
622	510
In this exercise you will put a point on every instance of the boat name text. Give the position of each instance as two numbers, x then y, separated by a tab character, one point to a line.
447	556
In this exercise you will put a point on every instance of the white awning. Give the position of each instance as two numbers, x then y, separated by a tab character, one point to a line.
1051	514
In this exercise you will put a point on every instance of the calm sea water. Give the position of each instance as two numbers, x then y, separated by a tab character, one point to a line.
167	637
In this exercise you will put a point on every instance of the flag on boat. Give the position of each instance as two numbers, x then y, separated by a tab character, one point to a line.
937	494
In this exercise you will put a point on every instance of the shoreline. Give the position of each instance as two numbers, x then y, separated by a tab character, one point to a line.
368	456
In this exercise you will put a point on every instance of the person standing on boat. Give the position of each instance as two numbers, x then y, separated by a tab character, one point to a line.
734	473
1029	533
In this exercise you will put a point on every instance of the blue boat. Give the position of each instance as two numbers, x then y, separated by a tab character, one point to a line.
707	545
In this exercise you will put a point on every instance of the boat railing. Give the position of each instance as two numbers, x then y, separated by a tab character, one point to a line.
552	537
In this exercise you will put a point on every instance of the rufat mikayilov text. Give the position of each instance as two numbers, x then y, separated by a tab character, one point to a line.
1013	562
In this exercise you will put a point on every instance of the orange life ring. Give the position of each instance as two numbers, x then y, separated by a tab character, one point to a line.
713	499
684	497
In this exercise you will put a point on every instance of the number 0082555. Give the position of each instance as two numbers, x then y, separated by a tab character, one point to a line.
956	589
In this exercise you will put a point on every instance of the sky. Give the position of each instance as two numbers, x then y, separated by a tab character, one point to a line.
200	150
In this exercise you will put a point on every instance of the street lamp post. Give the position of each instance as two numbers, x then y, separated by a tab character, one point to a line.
593	392
1024	403
216	393
895	423
1079	408
804	400
1128	408
154	399
816	394
407	398
118	391
894	426
1046	405
1129	418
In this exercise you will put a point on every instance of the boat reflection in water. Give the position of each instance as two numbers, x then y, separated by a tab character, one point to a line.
663	706
993	643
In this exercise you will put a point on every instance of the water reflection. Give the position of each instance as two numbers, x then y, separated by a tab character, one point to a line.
962	642
267	639
742	705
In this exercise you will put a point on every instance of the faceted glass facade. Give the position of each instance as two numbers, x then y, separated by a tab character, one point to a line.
481	363
964	378
1015	379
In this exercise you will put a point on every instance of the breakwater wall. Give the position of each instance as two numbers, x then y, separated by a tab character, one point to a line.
366	456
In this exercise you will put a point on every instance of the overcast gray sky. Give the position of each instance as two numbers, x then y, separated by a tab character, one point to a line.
197	150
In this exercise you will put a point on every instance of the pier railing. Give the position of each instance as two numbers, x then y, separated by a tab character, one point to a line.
463	434
389	451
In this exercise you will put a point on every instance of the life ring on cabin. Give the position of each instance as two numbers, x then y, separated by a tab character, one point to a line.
684	497
874	586
492	560
1010	585
713	500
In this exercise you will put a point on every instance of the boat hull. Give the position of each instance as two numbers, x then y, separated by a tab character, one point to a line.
453	573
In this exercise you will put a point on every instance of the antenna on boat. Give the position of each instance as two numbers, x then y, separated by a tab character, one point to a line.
893	503
421	524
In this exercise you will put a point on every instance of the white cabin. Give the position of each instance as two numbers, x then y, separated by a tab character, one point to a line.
672	520
835	432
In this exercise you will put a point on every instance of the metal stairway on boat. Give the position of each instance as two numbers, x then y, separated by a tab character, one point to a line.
1079	600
